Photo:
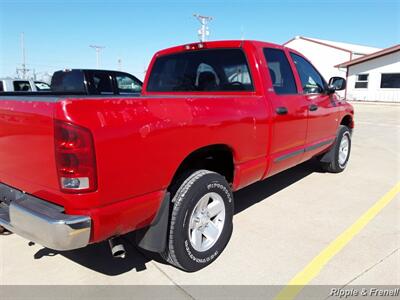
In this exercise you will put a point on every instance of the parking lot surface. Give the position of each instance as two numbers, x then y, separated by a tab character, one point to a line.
280	226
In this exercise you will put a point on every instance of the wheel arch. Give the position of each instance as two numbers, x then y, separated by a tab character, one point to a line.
216	157
347	120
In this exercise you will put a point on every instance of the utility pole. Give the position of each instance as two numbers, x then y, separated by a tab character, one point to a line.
119	64
203	32
23	68
98	49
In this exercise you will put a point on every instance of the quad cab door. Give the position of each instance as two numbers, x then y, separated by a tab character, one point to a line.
289	111
322	108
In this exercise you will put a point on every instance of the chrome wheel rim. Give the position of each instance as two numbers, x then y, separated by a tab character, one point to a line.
344	149
206	222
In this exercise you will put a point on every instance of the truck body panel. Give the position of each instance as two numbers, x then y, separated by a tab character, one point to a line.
140	142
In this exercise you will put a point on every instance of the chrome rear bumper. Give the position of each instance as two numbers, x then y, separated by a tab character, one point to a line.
42	222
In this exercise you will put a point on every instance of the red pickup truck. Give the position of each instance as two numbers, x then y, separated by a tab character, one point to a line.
212	118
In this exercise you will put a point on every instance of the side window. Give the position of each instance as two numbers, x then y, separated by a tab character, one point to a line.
102	83
311	80
280	71
22	86
361	81
390	81
127	84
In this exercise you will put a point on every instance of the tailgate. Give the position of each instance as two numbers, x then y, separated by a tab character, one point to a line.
27	160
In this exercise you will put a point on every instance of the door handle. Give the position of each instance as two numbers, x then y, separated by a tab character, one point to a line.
281	110
313	107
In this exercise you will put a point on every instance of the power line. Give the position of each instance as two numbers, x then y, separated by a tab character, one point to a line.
203	32
98	49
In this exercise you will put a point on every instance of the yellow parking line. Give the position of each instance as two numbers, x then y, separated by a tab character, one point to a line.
298	282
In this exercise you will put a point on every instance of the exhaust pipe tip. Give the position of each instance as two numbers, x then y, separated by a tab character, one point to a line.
117	248
4	231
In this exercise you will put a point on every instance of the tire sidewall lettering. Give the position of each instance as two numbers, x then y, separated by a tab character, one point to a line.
216	185
199	260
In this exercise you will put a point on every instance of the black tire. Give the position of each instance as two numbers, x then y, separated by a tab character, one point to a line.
335	166
179	251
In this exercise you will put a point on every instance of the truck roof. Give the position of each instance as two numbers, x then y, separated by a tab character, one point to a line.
99	70
216	44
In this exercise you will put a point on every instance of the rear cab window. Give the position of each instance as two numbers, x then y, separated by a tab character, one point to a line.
1	86
206	70
68	81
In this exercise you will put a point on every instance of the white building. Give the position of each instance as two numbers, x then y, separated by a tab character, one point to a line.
374	77
325	55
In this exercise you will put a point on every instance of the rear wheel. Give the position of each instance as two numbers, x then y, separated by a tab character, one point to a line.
201	221
341	151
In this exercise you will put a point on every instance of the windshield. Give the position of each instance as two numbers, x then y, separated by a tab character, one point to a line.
201	70
42	86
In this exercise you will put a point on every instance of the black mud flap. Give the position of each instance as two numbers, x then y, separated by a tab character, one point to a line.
328	156
154	237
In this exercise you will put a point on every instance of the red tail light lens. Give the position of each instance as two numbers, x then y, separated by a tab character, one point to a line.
75	158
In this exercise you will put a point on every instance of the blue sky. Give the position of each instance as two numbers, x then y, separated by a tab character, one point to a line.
58	33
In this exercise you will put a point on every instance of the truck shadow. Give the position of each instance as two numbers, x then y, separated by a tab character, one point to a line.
260	191
97	257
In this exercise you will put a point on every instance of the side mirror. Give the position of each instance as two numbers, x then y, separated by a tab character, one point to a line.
336	84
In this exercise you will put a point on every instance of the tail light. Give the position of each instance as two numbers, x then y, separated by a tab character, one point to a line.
75	158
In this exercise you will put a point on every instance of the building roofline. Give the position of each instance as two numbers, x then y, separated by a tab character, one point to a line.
318	42
291	40
374	55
